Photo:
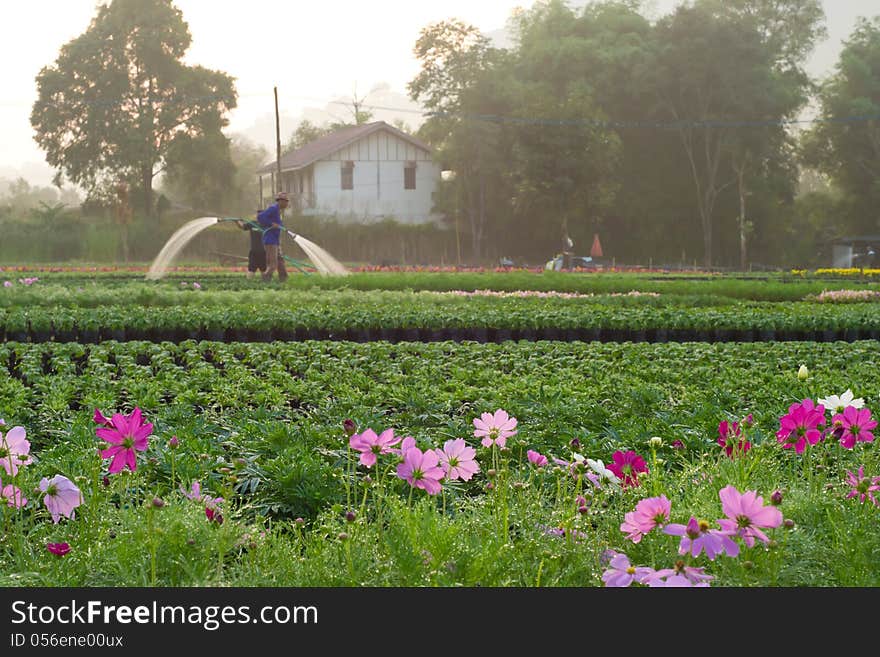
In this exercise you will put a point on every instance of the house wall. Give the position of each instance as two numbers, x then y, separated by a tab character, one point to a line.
379	161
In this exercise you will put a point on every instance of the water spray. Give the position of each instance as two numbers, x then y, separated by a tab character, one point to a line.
322	261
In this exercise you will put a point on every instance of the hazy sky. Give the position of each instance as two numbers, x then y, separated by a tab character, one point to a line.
313	51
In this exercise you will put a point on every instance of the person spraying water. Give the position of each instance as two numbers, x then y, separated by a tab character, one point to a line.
322	261
271	222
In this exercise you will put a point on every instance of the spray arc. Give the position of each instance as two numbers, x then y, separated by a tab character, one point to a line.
323	262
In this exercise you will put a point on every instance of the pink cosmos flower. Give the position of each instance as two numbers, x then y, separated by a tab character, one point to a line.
695	576
62	497
856	423
125	434
627	466
495	428
11	496
59	549
421	470
730	438
747	515
371	446
538	459
406	444
457	460
863	486
14	450
696	537
649	513
621	572
196	495
674	581
98	418
799	427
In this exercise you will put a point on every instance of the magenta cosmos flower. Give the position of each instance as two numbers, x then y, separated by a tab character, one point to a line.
627	466
536	458
58	549
696	536
126	434
863	486
799	427
457	460
494	429
62	497
14	450
622	573
857	425
421	470
730	438
11	496
747	515
649	513
371	445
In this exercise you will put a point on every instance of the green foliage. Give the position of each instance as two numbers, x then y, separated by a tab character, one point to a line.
118	101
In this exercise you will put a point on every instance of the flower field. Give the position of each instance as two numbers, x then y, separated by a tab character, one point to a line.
283	461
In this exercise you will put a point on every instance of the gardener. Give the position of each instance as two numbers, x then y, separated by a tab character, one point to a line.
270	220
256	254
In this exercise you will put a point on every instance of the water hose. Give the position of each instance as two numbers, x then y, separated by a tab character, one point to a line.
254	225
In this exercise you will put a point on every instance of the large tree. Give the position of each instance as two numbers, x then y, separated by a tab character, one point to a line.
846	143
118	103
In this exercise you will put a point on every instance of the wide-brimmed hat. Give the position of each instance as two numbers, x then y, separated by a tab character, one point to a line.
282	196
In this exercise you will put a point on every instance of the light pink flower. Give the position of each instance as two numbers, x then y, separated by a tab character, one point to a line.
799	427
863	486
747	515
421	470
126	434
696	576
11	496
536	458
62	497
696	536
627	466
495	429
857	425
649	513
14	450
457	460
674	581
371	445
621	572
196	495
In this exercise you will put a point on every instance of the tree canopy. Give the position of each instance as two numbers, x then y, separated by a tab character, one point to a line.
119	104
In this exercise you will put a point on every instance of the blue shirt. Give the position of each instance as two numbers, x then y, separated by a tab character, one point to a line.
269	216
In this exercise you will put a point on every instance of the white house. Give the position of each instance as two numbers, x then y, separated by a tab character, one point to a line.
363	172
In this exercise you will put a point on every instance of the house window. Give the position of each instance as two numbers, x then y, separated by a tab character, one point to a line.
347	174
409	175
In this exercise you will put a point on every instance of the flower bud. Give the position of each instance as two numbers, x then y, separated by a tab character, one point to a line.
350	516
105	481
583	509
575	443
677	444
174	443
491	472
656	441
788	523
158	502
776	498
368	480
748	565
300	521
349	427
803	373
342	536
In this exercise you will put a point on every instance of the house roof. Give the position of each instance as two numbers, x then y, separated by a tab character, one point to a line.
336	140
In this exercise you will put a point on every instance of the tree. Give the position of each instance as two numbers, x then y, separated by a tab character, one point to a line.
305	133
716	74
845	144
118	99
455	58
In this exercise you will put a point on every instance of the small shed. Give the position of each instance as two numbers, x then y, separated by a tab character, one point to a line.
858	251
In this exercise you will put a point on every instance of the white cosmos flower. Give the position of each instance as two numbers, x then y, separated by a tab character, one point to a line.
604	473
837	404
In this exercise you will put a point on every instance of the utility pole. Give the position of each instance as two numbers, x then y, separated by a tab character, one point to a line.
277	146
